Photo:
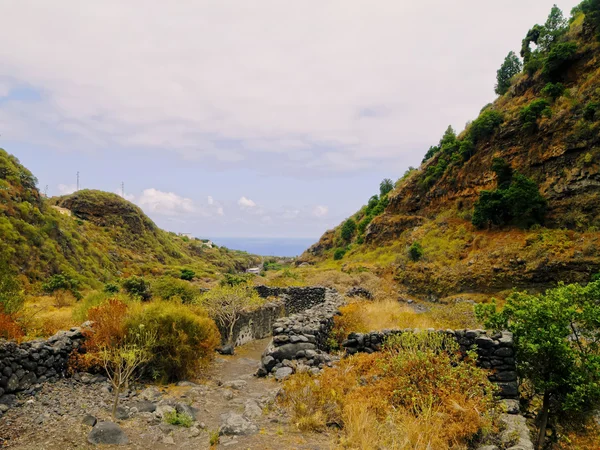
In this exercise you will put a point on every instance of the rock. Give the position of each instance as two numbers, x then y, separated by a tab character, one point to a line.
288	351
194	432
359	292
150	393
484	342
168	440
8	399
183	408
236	425
283	373
121	413
252	410
237	385
228	395
144	406
488	447
512	406
226	350
268	362
89	420
13	383
516	434
107	433
510	389
163	410
186	384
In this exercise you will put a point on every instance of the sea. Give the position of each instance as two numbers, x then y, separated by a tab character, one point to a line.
267	246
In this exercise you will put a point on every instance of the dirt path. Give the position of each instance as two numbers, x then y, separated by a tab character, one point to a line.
53	418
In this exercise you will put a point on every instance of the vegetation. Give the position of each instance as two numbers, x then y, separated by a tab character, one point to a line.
348	229
557	335
187	274
11	293
511	66
179	419
420	394
531	113
339	253
169	288
59	285
415	251
138	288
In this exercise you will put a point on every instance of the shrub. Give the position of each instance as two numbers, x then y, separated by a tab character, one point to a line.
590	110
348	229
11	294
415	251
235	279
553	90
339	253
187	274
9	327
485	125
558	59
363	224
185	339
226	303
60	285
108	318
179	419
111	288
169	288
137	287
529	114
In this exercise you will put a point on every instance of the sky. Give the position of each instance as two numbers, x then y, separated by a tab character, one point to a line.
223	118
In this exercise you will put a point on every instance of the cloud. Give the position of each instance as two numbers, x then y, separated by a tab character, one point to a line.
320	211
246	85
210	200
165	203
66	189
246	203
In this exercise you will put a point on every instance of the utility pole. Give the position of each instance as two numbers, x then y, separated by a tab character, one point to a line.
46	191
123	189
77	180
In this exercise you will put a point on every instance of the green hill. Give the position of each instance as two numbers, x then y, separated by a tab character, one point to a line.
92	235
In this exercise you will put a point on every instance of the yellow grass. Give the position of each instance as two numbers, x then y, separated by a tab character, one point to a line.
41	317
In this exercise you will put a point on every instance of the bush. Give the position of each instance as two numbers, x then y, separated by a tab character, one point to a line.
111	288
558	59
415	251
235	279
60	285
9	327
553	90
187	274
529	114
91	300
485	125
137	287
11	294
108	318
179	419
339	253
348	229
169	288
185	339
590	110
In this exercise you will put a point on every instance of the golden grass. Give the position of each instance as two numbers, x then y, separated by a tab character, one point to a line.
41	317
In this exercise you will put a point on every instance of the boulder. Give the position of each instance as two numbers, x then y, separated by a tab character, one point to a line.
236	425
89	420
283	373
107	433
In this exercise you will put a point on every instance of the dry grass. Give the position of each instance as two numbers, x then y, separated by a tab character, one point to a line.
418	398
41	317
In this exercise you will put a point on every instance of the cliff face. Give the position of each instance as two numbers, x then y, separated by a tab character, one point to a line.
559	149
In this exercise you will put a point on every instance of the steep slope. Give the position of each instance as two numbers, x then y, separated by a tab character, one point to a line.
92	235
546	127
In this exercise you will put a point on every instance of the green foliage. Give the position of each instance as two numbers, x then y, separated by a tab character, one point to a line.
591	9
556	25
62	282
169	288
178	419
516	200
553	90
185	339
559	59
557	337
591	110
348	229
272	265
415	251
485	125
137	287
596	277
232	279
385	187
512	66
339	253
11	294
187	274
530	113
111	288
363	224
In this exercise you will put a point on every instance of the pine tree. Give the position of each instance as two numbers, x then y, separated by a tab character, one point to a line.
512	65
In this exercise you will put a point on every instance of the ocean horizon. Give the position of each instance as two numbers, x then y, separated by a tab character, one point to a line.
267	246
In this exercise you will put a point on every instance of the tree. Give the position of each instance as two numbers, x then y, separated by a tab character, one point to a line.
555	26
503	171
137	287
11	294
111	288
122	360
225	304
512	66
558	60
59	285
385	187
557	338
348	229
187	274
415	252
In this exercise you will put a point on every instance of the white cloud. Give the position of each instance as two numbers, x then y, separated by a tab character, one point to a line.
289	214
320	211
66	189
210	200
246	203
235	82
165	203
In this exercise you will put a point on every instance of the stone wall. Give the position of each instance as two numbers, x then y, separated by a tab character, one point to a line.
302	337
23	367
495	351
296	299
257	324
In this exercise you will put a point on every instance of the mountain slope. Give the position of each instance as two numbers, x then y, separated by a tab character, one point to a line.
546	128
92	235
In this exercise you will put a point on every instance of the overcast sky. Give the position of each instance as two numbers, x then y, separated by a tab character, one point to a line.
245	118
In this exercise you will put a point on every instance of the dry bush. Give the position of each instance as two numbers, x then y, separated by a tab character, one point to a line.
108	318
416	394
10	328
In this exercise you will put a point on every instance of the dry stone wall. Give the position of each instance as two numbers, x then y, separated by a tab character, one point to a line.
495	351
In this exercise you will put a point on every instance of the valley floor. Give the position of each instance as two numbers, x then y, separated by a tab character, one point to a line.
52	419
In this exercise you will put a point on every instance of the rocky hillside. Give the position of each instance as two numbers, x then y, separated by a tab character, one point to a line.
544	130
92	235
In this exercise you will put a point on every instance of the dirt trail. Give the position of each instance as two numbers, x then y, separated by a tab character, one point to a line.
52	419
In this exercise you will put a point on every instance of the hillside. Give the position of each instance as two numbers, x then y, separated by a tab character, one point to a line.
92	235
543	131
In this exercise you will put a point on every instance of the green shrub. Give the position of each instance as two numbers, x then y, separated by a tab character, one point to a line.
363	224
596	277
530	113
339	253
137	287
111	288
348	229
178	419
11	294
169	288
415	251
590	110
187	274
185	339
231	279
62	283
558	60
553	90
485	125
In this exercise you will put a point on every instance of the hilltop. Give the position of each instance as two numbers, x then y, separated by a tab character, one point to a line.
92	235
532	157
